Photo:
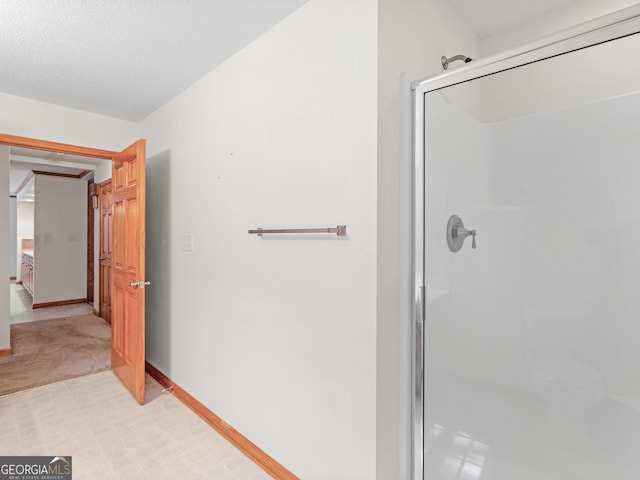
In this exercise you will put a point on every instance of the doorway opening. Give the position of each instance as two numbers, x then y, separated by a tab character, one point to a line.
124	235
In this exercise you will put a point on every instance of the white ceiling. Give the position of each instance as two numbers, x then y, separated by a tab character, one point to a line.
490	16
126	58
123	58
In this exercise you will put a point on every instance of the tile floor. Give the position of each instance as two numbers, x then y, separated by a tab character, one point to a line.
20	306
109	436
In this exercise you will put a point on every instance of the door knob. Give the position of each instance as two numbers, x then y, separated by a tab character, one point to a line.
456	233
134	284
144	284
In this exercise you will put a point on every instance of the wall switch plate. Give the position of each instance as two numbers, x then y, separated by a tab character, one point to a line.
187	243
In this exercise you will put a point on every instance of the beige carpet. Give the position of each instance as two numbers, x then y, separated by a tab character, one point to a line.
48	351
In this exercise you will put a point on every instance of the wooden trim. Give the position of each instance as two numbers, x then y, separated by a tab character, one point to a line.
254	453
66	175
59	303
102	184
24	182
12	278
15	141
13	196
18	282
5	352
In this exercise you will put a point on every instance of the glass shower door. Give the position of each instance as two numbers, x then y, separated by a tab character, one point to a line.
531	361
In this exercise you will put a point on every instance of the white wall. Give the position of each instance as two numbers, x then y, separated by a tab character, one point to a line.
553	85
60	250
103	171
31	118
413	35
561	18
275	335
13	232
5	337
24	229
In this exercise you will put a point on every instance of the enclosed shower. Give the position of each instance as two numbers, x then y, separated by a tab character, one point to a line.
526	323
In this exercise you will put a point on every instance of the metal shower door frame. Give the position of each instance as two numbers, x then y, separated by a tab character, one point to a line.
600	30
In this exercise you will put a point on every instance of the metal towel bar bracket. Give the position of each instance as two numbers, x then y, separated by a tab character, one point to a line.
340	230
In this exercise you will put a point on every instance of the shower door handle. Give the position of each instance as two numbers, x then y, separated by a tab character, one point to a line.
419	304
417	407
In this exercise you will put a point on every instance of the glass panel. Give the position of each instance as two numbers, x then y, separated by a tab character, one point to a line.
532	363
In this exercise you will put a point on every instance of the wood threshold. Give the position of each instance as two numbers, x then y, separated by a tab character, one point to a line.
5	352
242	443
25	142
59	303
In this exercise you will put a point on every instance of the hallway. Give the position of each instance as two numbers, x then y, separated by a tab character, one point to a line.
20	307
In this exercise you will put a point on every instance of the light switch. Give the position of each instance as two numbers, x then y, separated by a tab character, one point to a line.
187	243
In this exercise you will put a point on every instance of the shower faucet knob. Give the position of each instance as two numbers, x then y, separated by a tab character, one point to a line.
464	233
456	233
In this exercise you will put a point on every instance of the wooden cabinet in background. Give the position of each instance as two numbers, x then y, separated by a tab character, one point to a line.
26	271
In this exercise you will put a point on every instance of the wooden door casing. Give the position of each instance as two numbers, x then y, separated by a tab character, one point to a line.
128	268
106	248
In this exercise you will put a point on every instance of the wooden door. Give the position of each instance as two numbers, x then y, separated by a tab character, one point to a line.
106	234
128	268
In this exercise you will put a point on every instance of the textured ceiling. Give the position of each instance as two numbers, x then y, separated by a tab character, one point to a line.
123	58
490	16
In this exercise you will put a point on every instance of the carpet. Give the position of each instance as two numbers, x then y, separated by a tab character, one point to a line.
48	351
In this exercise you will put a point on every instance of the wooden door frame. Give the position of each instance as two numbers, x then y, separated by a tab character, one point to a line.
56	147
